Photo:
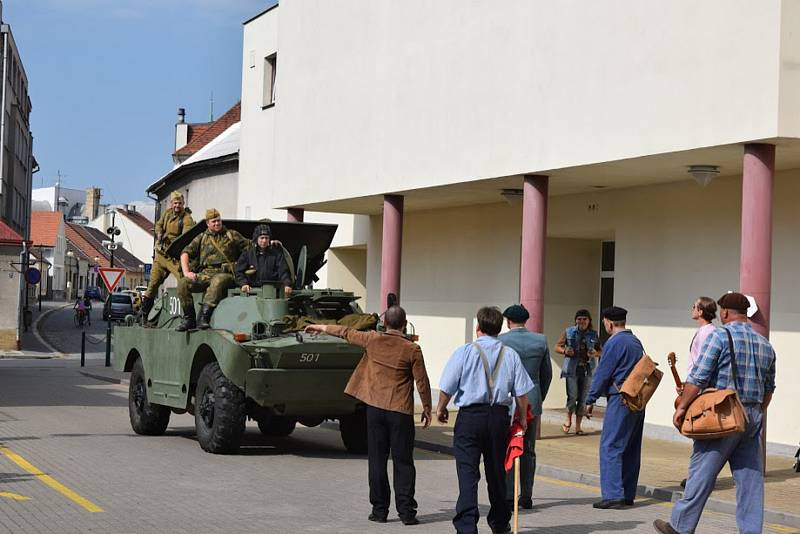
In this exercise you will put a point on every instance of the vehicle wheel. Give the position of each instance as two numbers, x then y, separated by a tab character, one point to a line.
219	414
277	426
354	432
146	419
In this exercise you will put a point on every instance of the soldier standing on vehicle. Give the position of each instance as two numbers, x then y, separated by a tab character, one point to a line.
173	223
212	255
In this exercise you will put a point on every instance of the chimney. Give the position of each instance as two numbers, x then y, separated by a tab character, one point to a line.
181	130
92	206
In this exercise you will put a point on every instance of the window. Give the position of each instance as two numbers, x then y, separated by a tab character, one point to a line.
270	65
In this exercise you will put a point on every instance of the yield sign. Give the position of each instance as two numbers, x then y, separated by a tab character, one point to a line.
111	277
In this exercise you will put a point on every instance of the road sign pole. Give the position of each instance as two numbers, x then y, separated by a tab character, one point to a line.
113	233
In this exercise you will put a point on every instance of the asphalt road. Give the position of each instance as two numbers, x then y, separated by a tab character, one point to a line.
59	330
69	462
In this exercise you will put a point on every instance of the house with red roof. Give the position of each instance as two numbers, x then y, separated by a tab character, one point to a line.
47	238
207	165
136	230
11	287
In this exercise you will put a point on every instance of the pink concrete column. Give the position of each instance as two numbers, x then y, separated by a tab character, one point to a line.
295	214
534	236
391	249
755	270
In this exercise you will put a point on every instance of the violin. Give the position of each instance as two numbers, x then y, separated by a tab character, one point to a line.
678	384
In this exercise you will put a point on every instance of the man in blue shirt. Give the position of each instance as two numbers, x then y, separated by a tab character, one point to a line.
535	357
755	383
621	439
483	377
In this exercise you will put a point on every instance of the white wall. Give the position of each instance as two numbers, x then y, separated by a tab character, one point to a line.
257	175
673	243
133	237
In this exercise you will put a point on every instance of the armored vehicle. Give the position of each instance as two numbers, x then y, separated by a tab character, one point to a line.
254	362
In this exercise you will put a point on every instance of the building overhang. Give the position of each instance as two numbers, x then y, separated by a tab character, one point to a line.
634	172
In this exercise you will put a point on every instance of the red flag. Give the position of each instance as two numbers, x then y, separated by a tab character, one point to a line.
516	436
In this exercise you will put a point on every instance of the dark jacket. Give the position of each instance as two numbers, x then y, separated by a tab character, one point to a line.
256	267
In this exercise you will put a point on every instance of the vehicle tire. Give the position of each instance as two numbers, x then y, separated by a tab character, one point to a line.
277	426
146	419
219	414
353	429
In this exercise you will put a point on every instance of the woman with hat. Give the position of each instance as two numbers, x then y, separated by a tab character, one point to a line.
578	344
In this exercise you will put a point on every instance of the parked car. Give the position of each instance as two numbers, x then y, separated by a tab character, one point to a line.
93	292
140	289
137	298
117	306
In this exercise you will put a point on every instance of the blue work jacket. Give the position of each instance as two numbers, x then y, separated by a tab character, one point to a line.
573	341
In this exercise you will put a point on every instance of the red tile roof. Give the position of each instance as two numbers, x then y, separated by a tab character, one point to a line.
76	239
141	221
211	131
44	227
8	236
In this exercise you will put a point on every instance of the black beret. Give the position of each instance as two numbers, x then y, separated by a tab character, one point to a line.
734	301
615	313
516	313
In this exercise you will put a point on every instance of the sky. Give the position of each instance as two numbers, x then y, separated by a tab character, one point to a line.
106	78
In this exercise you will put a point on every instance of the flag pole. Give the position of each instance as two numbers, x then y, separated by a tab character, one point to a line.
516	495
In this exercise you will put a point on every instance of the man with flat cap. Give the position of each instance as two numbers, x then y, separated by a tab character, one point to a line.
208	265
754	382
535	357
174	222
621	439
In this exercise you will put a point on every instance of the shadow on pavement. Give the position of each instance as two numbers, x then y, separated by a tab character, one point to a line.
580	528
14	477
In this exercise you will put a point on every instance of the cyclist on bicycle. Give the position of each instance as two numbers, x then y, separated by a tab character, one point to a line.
81	310
87	304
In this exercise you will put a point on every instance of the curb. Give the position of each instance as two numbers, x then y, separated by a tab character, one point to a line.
104	378
40	338
651	492
22	356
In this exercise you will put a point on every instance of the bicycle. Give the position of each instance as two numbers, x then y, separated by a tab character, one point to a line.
79	318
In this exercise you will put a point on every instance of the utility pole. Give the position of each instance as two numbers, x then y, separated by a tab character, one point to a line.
113	231
211	115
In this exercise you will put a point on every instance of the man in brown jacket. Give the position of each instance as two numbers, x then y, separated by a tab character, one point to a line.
383	380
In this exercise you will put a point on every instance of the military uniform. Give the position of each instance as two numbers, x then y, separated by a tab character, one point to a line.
213	256
168	228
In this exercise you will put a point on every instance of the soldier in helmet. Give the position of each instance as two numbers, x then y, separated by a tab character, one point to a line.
173	223
212	255
263	262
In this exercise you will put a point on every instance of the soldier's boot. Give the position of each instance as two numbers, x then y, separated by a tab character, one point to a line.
189	321
203	322
147	305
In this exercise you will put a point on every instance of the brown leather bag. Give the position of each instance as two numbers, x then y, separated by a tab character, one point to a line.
716	413
640	384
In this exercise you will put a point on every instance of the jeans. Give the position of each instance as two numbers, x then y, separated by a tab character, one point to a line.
743	452
577	389
393	432
527	467
481	430
620	450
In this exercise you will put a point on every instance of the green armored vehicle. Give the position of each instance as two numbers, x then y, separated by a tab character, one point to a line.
254	362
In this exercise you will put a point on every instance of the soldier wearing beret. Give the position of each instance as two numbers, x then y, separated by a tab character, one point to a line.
754	382
208	265
173	223
535	357
621	439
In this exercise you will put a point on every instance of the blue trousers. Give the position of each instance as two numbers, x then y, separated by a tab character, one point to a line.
620	450
743	452
481	430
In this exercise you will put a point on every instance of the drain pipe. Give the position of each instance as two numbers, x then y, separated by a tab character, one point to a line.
23	286
3	100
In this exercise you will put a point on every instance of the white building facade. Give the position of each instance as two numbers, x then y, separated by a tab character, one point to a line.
511	144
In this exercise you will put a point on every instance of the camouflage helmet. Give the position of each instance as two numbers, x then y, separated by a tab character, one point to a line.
261	229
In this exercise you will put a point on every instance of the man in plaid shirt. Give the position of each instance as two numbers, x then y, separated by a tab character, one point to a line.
755	382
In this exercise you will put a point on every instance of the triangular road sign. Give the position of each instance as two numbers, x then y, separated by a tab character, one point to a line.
111	277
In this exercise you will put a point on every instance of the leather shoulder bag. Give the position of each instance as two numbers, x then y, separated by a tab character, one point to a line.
640	384
716	413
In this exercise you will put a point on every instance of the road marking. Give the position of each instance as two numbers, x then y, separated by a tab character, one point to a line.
50	481
14	496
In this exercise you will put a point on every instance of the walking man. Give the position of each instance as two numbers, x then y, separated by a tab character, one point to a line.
482	377
621	438
169	227
535	357
755	383
383	380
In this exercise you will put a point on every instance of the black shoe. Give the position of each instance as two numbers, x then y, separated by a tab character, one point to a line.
147	305
610	504
526	504
506	530
203	322
189	321
377	518
664	527
628	502
683	483
409	521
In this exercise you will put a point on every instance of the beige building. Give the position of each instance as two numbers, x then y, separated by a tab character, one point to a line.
506	143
